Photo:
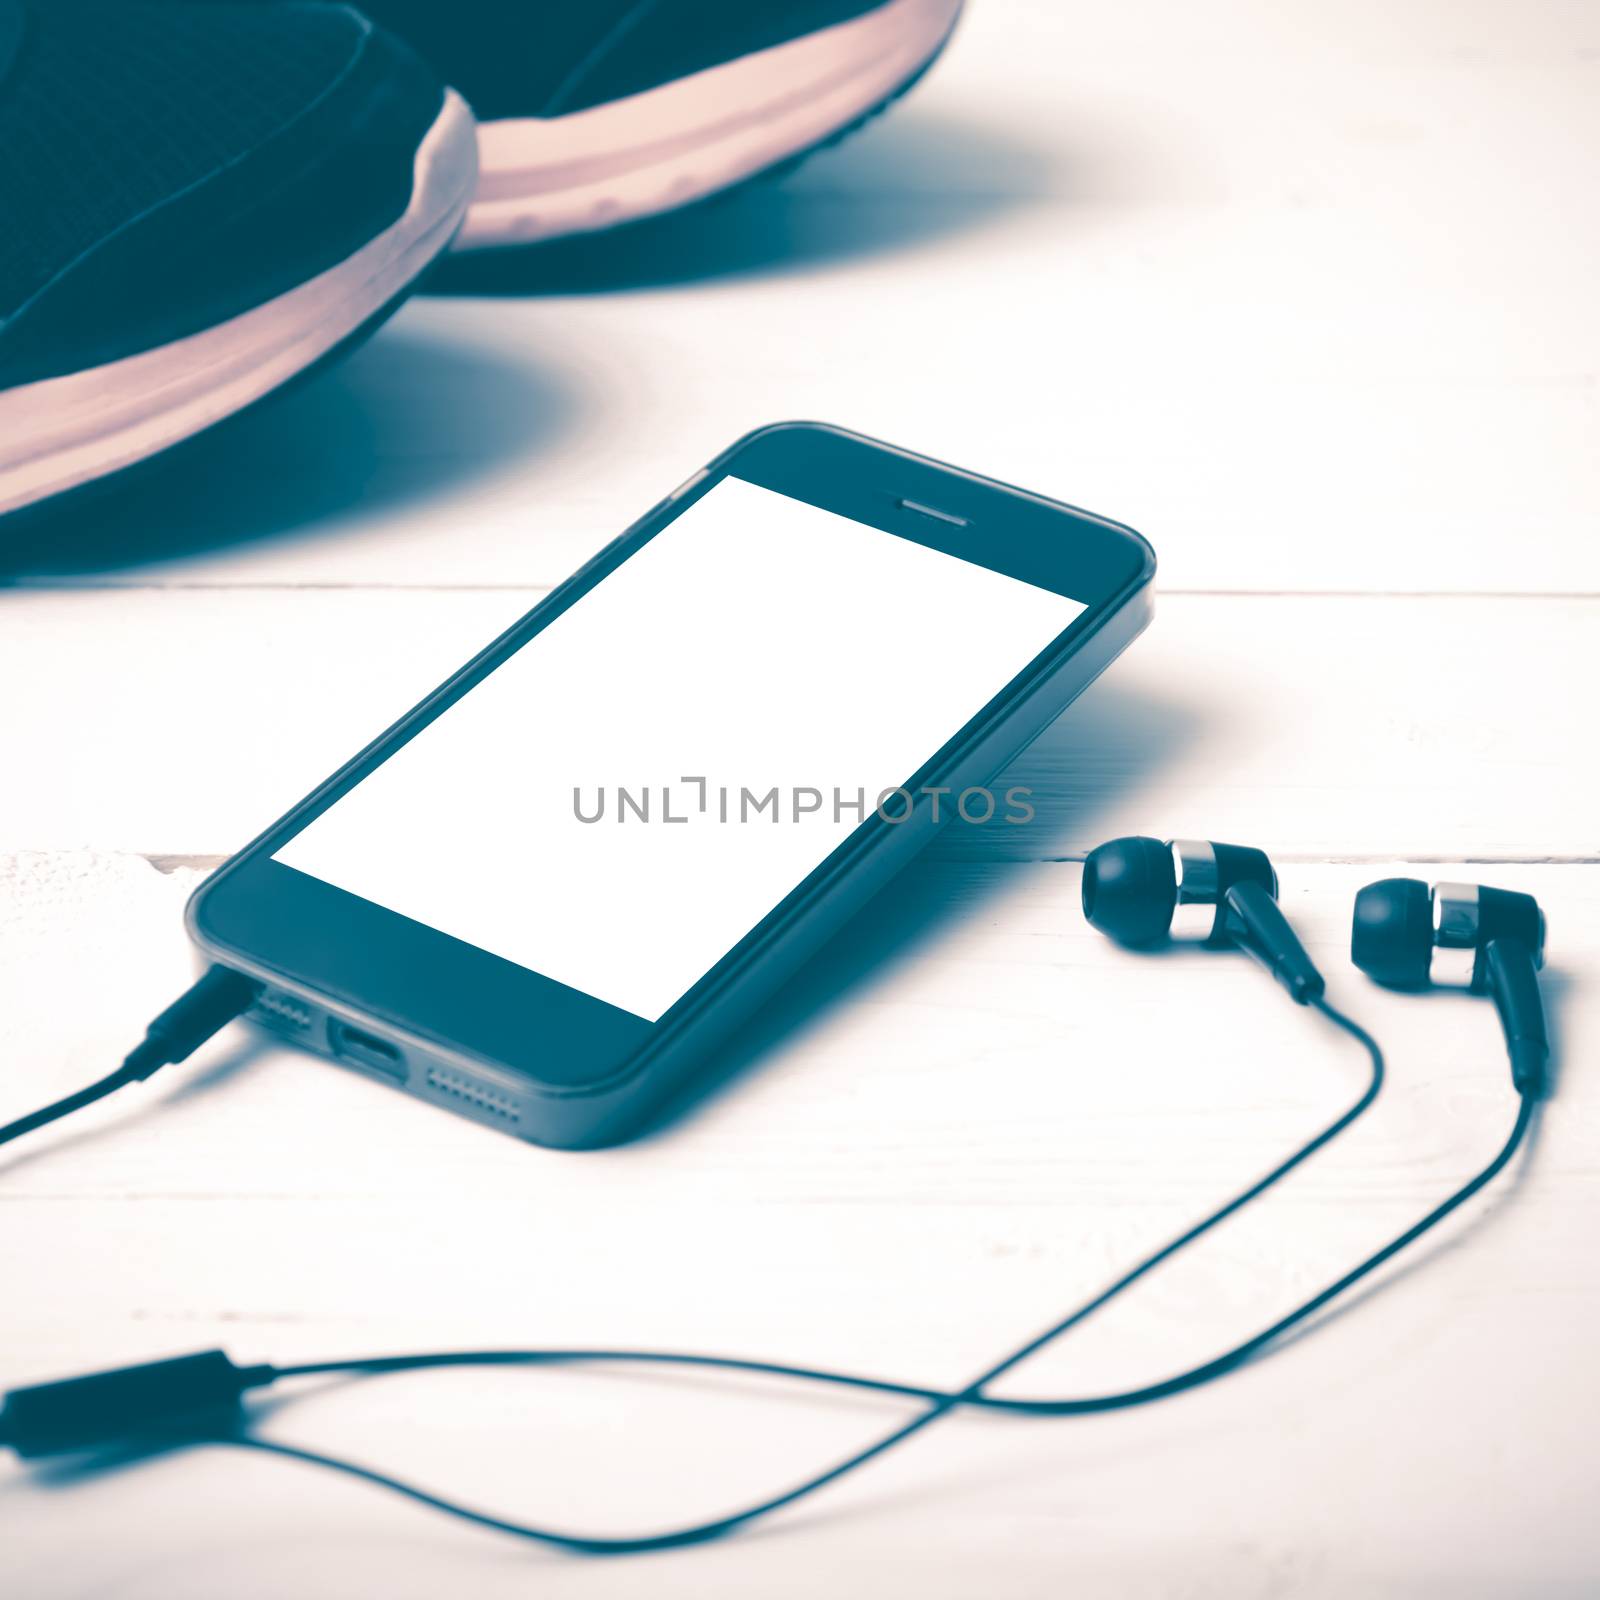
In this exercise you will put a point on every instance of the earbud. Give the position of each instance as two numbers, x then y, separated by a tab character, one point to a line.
1141	891
1407	934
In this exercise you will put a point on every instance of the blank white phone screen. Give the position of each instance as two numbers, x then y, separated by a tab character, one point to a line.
754	644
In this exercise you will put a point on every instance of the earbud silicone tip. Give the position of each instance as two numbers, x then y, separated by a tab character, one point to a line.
1130	889
1391	932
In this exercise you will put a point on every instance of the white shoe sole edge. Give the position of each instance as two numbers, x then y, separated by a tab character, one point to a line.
542	178
59	433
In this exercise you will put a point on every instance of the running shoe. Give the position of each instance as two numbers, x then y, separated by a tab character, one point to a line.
197	203
602	112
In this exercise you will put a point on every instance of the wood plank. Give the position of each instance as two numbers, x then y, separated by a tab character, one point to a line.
964	1115
180	723
1307	301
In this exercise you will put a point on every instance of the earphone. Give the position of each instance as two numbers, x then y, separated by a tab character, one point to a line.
1407	934
1141	892
1404	933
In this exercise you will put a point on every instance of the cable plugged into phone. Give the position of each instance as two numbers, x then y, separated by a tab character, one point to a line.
207	1007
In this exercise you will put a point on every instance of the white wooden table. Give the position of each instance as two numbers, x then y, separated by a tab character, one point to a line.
1304	292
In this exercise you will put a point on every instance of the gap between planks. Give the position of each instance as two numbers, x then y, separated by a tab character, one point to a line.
208	863
209	586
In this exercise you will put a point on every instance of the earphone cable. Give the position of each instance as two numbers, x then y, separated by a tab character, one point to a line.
208	1004
168	1399
939	1402
67	1104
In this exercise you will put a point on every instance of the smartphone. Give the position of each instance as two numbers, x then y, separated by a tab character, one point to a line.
545	896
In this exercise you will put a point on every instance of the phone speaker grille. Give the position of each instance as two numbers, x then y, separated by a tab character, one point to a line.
481	1096
279	1011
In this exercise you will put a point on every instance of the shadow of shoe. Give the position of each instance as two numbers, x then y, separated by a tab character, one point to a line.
406	417
1117	736
917	178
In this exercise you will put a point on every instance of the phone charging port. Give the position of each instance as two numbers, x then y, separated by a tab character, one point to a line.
366	1050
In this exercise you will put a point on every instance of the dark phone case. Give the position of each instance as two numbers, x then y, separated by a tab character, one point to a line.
616	1104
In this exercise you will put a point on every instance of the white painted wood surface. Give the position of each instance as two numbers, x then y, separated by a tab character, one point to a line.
1305	293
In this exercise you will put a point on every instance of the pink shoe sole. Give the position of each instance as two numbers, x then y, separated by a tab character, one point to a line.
543	178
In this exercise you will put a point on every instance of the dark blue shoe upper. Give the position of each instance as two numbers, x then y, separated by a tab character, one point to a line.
545	58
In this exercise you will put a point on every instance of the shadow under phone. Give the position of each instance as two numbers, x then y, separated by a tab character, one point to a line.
948	882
